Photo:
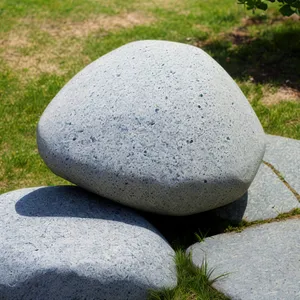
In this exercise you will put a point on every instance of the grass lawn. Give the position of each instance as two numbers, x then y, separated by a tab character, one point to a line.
44	43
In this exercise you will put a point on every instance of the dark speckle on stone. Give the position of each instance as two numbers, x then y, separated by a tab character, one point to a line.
199	106
152	122
205	181
156	110
166	97
228	138
126	183
201	95
118	75
74	138
93	139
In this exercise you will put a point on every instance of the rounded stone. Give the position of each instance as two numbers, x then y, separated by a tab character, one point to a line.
155	125
65	243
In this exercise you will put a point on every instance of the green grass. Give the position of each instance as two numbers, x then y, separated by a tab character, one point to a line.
282	119
244	224
40	50
193	283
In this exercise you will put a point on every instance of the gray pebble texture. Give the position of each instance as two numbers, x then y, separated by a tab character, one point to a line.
266	198
155	125
263	262
65	243
284	154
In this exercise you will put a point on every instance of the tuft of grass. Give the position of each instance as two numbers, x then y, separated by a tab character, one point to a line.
292	213
193	282
201	236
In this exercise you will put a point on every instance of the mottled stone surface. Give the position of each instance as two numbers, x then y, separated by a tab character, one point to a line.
266	198
155	125
284	154
262	262
64	243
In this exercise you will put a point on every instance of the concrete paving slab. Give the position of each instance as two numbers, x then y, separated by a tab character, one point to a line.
267	197
284	154
263	261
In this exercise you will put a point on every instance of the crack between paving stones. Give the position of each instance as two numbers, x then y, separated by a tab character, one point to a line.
282	179
293	214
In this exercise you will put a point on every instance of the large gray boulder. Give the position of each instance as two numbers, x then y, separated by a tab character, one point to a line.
155	125
64	243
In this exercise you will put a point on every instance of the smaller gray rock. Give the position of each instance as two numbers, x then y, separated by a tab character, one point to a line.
262	262
64	243
266	198
284	154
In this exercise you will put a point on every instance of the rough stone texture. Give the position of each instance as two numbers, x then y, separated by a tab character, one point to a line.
262	262
284	154
65	243
266	198
155	125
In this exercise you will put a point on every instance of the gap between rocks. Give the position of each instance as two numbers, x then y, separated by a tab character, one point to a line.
293	214
282	179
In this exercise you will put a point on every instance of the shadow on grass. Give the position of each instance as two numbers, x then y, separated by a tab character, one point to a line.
271	56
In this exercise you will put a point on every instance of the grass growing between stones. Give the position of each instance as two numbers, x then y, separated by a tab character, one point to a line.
44	43
279	175
294	213
193	282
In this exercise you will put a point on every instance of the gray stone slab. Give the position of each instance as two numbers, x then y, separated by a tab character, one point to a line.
263	262
266	198
64	243
284	154
159	126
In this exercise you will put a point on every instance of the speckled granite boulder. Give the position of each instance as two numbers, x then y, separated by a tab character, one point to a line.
155	125
64	243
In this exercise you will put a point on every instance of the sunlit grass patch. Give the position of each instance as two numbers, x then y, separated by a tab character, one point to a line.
193	282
